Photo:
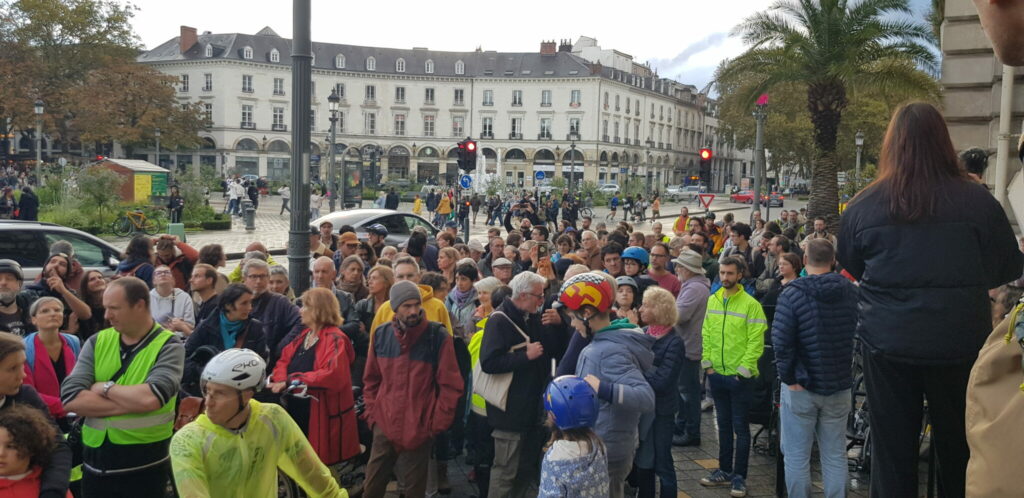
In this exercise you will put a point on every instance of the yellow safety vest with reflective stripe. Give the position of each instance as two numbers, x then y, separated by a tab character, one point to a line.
733	333
133	428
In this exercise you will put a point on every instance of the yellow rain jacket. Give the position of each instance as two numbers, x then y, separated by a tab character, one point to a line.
211	461
432	307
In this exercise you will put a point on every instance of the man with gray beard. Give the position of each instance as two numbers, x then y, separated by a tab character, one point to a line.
14	303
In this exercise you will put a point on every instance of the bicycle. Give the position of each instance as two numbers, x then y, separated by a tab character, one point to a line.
136	221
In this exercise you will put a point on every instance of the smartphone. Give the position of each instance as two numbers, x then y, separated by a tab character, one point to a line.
542	250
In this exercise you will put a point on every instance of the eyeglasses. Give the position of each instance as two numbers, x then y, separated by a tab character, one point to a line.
538	296
355	244
162	272
258	277
659	255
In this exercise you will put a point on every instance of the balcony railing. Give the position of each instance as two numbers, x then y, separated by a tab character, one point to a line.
487	135
573	136
574	104
279	127
545	104
544	136
278	92
515	136
246	90
616	140
604	138
488	103
245	125
207	88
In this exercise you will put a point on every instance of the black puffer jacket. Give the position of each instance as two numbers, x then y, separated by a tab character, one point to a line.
812	333
924	285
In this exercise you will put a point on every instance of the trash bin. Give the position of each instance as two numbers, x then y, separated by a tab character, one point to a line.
249	215
177	229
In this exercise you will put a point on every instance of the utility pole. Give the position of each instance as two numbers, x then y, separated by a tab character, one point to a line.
760	113
298	233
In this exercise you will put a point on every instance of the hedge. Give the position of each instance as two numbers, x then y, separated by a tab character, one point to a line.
216	225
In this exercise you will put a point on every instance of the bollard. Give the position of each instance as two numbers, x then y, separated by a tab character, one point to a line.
177	229
249	215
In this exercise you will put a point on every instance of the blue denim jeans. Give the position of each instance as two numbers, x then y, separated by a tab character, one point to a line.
732	404
805	417
655	453
688	416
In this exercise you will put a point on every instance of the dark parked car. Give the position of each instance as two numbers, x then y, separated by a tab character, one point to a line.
399	224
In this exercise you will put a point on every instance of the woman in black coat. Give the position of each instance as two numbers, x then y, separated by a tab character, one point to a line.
926	245
229	328
28	206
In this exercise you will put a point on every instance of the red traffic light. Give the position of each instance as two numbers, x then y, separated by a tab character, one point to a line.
471	146
705	154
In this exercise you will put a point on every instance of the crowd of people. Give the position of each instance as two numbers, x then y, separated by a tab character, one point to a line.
25	204
557	360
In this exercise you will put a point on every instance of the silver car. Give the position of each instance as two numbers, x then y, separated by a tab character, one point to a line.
399	224
28	243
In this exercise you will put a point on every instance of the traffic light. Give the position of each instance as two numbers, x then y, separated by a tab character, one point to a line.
467	155
705	165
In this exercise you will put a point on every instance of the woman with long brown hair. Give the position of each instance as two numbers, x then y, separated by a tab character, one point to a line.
926	244
91	292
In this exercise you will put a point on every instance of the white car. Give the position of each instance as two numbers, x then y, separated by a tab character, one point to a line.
688	192
609	188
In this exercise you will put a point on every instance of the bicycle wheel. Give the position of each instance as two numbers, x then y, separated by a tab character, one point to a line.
586	212
286	487
151	226
122	227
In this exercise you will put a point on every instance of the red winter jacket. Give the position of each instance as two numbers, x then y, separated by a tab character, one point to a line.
332	420
412	383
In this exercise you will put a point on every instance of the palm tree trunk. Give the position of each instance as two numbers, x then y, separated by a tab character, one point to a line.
825	102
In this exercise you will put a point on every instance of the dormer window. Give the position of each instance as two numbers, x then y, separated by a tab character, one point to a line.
460	67
371	64
247	53
339	61
429	67
275	56
208	51
400	66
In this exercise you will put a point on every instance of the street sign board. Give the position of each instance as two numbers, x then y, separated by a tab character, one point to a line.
706	199
466	181
539	175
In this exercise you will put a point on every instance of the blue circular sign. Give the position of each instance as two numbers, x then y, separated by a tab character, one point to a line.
539	175
466	181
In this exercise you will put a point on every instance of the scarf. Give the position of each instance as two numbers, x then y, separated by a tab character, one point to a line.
229	330
354	289
460	298
658	330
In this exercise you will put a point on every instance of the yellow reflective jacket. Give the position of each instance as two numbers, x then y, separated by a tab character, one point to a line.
733	333
211	461
432	307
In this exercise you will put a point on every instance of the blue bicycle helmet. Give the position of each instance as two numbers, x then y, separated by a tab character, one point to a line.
637	253
572	402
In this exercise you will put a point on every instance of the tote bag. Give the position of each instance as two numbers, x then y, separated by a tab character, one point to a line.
494	387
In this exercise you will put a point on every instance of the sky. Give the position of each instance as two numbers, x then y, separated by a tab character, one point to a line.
682	40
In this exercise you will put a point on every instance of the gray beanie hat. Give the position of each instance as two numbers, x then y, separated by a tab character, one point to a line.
403	291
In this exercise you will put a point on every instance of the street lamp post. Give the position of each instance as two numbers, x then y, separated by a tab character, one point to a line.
39	141
760	113
859	140
298	230
333	100
572	162
156	133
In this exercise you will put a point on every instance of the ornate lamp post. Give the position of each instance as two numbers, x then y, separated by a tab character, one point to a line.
761	114
859	140
332	101
39	107
156	133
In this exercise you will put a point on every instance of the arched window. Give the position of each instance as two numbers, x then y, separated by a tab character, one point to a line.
371	64
209	50
429	67
247	144
275	56
279	146
460	67
400	65
247	53
339	61
515	155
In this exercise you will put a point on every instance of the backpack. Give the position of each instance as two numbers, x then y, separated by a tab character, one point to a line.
30	347
129	273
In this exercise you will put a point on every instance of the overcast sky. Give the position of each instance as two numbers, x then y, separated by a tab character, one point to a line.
683	40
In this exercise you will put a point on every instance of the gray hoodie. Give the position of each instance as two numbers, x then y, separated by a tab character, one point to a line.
692	303
619	355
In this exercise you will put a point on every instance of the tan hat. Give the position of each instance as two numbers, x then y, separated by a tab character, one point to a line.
348	237
501	262
690	260
475	245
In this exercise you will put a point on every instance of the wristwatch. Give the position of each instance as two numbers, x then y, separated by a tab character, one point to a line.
106	388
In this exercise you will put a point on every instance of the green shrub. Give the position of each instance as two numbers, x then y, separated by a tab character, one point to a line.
216	225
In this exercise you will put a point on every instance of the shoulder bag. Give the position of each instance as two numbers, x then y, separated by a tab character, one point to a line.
494	387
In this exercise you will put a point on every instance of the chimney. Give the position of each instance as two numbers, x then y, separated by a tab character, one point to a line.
565	46
188	39
547	47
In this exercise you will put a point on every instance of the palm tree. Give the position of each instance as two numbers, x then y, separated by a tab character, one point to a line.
834	47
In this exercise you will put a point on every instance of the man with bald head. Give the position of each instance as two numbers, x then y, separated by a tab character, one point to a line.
591	250
236	274
324	274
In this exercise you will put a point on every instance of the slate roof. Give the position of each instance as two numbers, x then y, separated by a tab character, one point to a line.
477	64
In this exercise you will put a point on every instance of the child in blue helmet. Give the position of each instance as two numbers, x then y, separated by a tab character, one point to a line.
576	462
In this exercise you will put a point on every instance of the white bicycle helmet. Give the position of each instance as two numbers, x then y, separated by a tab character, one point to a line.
238	368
